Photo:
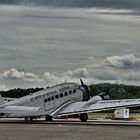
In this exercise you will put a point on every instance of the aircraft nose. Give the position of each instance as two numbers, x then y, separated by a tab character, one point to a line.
86	93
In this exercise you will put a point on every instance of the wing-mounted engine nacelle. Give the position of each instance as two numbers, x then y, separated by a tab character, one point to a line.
104	96
95	99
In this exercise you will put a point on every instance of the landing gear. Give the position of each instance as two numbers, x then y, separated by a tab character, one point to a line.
48	118
83	117
29	119
26	119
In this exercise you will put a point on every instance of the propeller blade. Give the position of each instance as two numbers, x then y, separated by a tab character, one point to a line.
82	83
86	95
107	91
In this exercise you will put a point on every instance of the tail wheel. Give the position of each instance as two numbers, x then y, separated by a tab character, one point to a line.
83	117
48	118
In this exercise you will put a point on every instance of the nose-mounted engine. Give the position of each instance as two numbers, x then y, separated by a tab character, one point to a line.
86	91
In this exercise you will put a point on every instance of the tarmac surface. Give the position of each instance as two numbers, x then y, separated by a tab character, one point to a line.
69	130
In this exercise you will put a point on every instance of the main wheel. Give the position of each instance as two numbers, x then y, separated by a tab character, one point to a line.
83	117
26	119
48	118
29	119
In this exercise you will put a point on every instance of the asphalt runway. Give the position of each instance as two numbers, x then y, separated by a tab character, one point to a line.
67	130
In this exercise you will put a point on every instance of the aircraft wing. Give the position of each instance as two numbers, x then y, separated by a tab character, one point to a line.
18	109
84	107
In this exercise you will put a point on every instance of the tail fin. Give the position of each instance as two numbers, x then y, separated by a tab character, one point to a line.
1	100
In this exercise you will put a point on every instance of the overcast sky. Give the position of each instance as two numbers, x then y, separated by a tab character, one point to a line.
41	46
80	3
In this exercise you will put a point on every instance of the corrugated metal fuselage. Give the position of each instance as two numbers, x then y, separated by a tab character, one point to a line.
48	100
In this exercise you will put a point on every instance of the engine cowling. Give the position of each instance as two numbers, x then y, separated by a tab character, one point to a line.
95	99
104	96
86	91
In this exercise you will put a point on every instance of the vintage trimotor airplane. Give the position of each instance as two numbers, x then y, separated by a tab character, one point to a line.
60	100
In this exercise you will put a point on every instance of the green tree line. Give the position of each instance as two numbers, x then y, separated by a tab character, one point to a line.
18	92
115	91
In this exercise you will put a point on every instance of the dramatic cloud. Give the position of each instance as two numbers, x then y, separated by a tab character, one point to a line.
88	75
101	74
15	74
127	61
92	76
83	73
106	75
51	77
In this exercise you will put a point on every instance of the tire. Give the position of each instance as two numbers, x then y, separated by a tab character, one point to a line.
83	117
48	118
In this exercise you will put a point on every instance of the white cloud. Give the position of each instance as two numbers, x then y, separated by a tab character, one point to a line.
100	74
3	88
11	8
15	74
88	75
132	76
83	73
91	76
49	77
106	74
108	11
126	61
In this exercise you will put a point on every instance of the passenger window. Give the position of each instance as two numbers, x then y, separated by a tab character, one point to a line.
56	96
49	99
52	98
70	92
46	100
74	91
61	95
66	94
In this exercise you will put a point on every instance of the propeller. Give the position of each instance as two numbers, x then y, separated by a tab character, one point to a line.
86	95
82	83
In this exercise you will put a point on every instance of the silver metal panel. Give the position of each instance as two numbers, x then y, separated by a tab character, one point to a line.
83	107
